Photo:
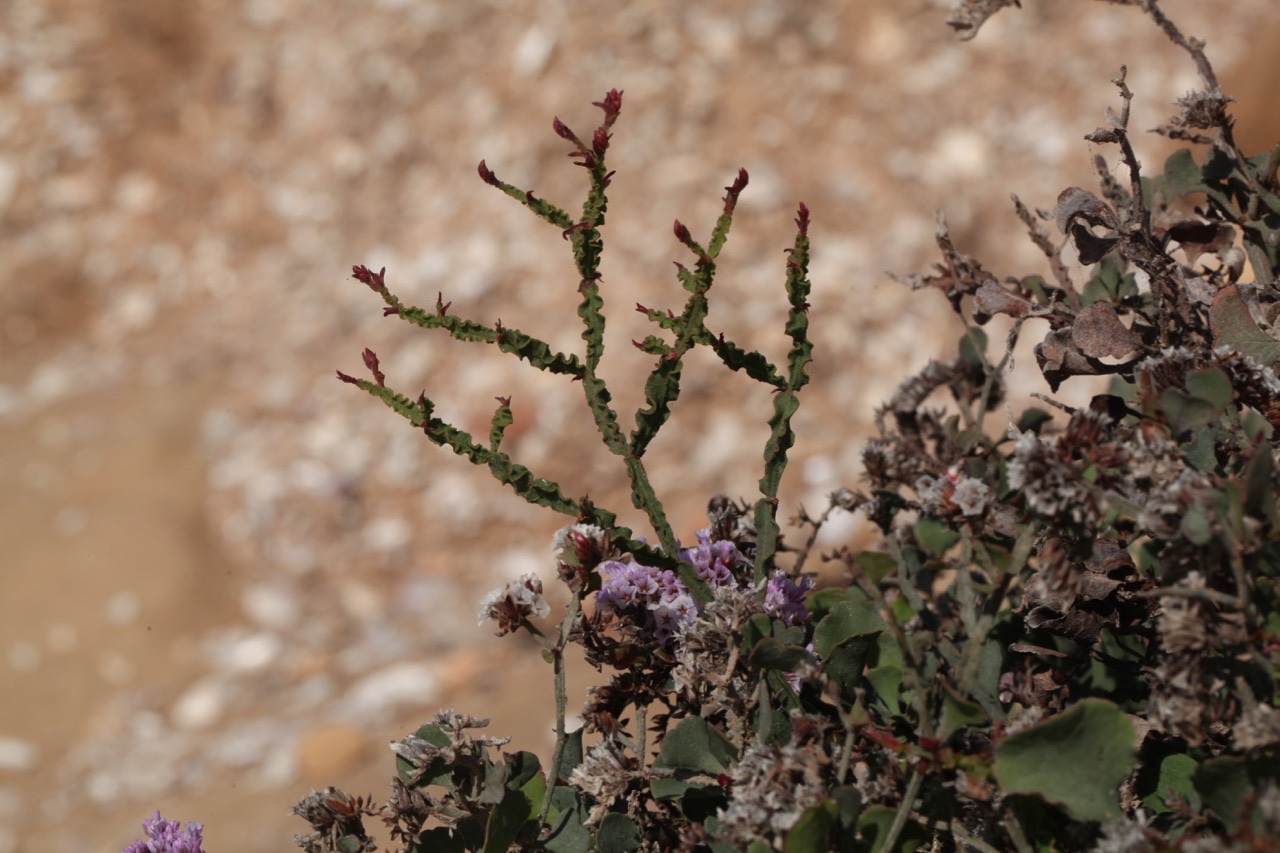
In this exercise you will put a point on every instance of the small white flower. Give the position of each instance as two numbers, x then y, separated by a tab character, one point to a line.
512	604
971	496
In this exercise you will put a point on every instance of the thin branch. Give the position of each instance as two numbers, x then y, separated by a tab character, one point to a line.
904	811
557	657
1040	237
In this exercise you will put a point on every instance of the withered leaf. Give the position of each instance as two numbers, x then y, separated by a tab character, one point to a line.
1096	587
1106	557
1090	246
1079	211
1059	358
1075	203
1199	236
991	299
1081	625
1098	332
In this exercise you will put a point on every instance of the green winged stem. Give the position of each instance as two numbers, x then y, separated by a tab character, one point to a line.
786	401
523	346
663	386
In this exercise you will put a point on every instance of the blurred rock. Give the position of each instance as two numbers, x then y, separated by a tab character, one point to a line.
328	751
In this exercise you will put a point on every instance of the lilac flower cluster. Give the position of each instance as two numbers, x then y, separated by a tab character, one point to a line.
656	599
655	595
168	837
784	598
719	563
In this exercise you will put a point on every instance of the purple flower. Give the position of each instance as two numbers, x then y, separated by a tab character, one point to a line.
677	610
649	597
784	597
719	563
167	837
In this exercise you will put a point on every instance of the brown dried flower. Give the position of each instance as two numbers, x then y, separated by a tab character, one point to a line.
604	774
772	787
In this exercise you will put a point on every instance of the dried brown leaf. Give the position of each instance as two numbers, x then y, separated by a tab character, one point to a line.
993	299
1098	332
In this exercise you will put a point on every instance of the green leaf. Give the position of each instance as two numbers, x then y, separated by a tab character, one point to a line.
494	789
698	802
1260	497
1104	286
694	745
846	620
876	565
1224	785
1234	326
1256	427
1184	412
874	825
887	681
902	610
504	824
1175	779
973	347
769	653
1230	785
848	802
935	537
1207	394
1033	419
958	712
1211	384
440	772
1182	176
568	814
440	839
1201	449
1262	244
811	833
617	834
1076	759
1196	525
845	663
571	757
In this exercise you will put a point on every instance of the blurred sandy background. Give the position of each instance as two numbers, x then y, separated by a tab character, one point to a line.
226	578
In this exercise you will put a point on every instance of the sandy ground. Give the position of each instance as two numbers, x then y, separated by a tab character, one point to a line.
226	578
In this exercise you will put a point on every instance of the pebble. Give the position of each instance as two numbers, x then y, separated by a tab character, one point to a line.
532	51
201	705
241	650
123	608
387	534
273	605
17	754
375	697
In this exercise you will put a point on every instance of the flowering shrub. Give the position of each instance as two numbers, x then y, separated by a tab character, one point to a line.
1068	637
